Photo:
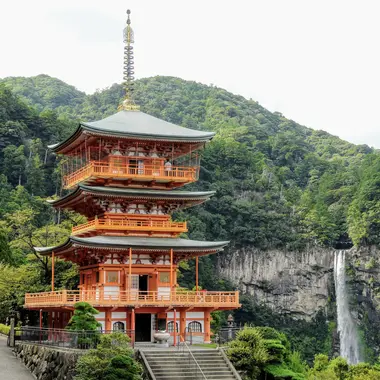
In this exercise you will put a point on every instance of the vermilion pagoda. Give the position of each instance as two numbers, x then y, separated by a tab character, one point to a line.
122	171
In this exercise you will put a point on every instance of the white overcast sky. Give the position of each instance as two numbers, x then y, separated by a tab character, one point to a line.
315	61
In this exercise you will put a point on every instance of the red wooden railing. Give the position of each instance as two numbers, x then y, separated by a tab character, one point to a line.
144	172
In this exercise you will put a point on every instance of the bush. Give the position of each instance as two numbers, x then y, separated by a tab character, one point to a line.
97	363
122	367
4	329
83	318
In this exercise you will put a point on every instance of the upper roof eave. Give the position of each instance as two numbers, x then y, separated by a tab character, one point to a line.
140	193
126	242
136	125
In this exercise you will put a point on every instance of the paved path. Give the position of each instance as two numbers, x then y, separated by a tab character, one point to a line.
10	367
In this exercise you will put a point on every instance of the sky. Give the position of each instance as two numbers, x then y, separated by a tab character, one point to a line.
315	61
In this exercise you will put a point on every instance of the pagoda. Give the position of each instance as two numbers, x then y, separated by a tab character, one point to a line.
123	172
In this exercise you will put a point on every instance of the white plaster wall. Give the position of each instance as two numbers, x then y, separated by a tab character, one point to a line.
111	291
164	291
119	315
195	314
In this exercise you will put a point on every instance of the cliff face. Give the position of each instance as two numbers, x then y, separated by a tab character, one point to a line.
292	283
301	284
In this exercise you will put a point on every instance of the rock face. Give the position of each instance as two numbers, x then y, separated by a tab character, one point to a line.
47	363
293	283
299	284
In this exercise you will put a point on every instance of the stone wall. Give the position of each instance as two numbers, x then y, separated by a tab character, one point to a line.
47	363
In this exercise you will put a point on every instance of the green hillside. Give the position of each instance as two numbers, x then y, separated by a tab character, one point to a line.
278	184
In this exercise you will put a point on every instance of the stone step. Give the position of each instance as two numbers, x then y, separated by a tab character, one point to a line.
170	365
193	377
185	365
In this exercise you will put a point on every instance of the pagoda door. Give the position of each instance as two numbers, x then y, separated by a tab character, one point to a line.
134	291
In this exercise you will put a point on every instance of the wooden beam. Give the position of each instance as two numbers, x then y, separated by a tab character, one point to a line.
171	271
130	275
52	271
196	272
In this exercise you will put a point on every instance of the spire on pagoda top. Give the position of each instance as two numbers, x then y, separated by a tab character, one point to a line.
128	103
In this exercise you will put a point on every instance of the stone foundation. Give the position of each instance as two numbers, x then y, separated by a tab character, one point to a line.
47	363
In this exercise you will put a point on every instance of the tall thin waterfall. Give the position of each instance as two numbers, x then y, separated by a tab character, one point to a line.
348	334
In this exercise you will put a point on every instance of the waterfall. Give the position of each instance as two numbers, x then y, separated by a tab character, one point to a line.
348	334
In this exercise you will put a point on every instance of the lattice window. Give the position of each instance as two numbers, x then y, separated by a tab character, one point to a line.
170	327
118	326
164	277
195	326
112	276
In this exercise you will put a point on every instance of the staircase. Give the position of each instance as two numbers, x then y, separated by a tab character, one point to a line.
188	365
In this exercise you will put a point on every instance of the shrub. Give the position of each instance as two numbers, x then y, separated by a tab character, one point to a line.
122	367
97	363
4	329
83	318
248	352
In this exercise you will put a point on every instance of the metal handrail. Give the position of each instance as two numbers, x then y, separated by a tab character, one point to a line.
193	357
147	366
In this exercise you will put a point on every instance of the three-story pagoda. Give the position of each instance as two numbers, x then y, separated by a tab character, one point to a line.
123	172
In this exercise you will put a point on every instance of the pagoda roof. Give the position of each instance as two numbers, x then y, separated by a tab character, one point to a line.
117	192
136	243
135	125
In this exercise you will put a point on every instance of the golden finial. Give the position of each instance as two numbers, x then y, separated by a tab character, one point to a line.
128	103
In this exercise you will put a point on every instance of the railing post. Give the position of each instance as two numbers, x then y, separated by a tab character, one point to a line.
12	330
175	328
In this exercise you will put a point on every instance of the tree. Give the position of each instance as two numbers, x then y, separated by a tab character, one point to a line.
248	352
83	318
14	163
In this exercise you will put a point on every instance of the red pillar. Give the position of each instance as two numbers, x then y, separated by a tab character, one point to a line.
41	319
207	321
182	326
108	326
133	326
175	328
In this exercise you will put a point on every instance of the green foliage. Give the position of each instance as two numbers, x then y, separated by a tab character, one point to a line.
4	329
14	283
307	338
83	318
248	352
338	369
98	363
261	351
122	367
278	184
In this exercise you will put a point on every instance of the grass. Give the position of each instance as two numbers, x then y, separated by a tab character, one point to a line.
205	345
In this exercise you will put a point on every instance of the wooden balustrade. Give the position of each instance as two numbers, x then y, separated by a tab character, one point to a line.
99	169
127	224
103	297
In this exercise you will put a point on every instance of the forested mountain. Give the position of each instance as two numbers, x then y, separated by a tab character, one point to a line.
278	184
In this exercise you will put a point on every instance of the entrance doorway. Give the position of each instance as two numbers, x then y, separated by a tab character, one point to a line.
143	327
143	284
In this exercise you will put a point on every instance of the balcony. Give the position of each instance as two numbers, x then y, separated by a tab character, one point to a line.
130	226
100	298
95	170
